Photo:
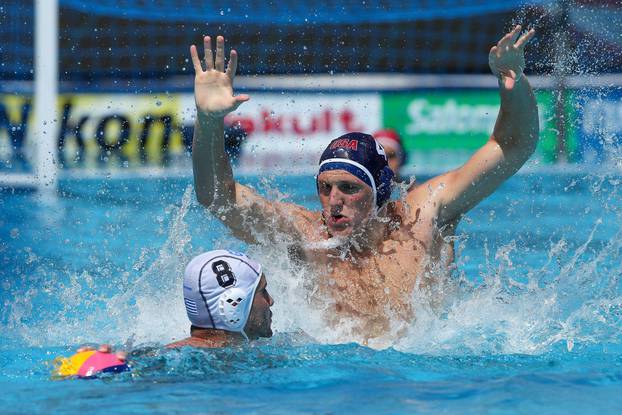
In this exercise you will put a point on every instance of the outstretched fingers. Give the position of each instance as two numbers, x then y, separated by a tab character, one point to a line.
515	33
217	62
504	41
509	38
233	64
524	39
220	54
195	59
207	49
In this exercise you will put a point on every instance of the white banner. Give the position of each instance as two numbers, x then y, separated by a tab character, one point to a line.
287	133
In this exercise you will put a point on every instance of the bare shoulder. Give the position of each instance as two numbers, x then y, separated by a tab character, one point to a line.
424	199
301	218
255	214
195	342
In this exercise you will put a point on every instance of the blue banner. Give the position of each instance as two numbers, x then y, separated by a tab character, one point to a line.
599	124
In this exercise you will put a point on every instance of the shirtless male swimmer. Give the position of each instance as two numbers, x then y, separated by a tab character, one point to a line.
378	250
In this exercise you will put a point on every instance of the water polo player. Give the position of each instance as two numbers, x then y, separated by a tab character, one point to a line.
369	253
393	147
226	302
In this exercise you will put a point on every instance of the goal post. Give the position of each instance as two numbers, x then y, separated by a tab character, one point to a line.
46	93
42	137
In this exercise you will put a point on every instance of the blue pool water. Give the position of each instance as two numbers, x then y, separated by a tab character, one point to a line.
533	327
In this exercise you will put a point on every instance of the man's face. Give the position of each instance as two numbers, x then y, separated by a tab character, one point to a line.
346	201
259	322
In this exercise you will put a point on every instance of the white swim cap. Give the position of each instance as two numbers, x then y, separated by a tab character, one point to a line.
219	287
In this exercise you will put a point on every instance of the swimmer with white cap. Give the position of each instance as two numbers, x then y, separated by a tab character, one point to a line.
368	252
226	300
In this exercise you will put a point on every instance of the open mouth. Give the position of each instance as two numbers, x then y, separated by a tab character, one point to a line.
339	219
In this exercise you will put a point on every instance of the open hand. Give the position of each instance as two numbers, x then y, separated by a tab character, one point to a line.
507	58
105	348
213	87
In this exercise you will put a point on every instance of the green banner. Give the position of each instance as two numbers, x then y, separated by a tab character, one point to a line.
458	119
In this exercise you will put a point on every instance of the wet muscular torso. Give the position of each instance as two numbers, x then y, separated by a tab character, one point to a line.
371	289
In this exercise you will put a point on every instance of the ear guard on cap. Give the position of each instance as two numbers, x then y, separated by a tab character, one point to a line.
232	306
384	186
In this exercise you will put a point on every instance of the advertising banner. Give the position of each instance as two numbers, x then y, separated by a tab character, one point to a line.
443	128
99	130
126	130
286	132
599	125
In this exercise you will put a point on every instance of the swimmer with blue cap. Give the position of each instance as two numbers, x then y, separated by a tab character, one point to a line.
356	165
369	252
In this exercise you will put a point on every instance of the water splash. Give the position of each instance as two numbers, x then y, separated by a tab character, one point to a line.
515	306
580	305
147	311
152	310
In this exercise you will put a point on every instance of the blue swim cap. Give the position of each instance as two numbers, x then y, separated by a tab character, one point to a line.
362	156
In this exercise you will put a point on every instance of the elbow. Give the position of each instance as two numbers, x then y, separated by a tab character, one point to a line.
213	202
204	197
525	152
526	143
532	142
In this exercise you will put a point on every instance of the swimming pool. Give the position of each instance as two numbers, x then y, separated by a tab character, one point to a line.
534	326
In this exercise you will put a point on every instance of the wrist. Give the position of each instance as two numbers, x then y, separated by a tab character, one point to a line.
518	78
209	117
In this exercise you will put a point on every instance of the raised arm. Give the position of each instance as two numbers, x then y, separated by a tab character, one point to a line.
238	206
213	93
513	140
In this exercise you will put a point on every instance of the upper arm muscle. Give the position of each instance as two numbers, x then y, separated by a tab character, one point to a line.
459	190
253	216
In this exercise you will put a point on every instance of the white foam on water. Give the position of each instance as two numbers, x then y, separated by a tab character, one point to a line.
580	305
153	310
149	310
573	299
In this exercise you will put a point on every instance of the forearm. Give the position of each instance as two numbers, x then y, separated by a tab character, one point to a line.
213	176
516	129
